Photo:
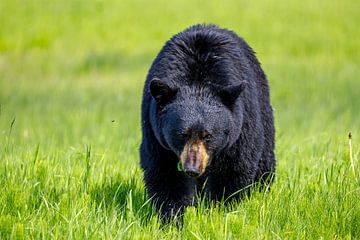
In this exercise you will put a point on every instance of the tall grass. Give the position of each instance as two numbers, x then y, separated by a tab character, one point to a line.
71	76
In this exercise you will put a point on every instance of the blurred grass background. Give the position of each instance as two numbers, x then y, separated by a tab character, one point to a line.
71	77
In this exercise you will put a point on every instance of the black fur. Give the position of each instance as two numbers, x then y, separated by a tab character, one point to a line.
205	79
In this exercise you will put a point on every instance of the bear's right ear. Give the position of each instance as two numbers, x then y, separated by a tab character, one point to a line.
229	94
162	93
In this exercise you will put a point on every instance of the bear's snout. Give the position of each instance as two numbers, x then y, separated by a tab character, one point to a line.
194	158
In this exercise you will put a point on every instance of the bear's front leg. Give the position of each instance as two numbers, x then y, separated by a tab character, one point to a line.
170	191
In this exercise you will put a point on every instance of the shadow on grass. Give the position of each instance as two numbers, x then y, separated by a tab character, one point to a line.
128	198
125	196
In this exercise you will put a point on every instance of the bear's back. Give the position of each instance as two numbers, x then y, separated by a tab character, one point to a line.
202	55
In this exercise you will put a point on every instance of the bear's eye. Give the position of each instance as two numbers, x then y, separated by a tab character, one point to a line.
207	137
183	135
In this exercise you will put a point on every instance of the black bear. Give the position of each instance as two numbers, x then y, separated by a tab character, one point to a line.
205	109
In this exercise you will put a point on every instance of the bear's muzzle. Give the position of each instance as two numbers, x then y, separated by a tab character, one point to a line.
194	158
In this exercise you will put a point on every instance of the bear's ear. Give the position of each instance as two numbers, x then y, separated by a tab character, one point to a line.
162	93
229	94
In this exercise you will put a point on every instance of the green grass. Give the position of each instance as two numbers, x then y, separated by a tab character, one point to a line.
71	77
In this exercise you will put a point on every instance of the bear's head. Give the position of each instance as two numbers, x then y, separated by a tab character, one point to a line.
197	122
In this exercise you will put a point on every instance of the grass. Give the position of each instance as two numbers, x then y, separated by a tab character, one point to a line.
71	77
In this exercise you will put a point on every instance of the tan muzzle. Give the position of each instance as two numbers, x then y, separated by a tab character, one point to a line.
194	158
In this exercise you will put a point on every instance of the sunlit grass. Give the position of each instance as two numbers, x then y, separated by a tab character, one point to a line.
71	77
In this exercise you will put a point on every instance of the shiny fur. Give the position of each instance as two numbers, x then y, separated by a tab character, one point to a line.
205	80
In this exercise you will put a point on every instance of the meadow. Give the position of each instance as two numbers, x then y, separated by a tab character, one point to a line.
71	78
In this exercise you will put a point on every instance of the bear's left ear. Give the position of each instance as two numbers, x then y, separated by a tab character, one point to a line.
162	93
229	94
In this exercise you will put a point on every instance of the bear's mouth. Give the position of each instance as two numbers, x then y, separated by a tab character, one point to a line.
194	158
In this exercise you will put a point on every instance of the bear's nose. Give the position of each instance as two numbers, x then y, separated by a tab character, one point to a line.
192	172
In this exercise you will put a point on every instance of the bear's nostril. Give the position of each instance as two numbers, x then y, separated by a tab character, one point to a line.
192	172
